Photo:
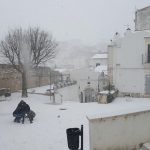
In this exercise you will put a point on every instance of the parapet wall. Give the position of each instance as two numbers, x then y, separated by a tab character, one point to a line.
120	132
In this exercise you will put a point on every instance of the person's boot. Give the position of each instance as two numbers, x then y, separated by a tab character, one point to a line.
23	120
18	120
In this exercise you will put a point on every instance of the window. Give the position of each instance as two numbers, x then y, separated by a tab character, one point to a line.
148	54
97	64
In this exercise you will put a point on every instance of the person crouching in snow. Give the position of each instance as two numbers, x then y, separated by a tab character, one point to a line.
22	109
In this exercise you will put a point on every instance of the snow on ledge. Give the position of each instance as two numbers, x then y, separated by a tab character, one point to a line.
107	92
115	115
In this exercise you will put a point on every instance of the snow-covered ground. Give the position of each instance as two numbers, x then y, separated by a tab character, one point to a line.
48	131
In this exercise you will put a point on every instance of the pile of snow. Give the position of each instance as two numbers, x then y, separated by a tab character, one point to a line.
101	68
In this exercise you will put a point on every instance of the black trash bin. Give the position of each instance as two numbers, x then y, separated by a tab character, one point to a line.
73	138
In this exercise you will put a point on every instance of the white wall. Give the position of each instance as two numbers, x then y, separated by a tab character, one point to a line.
142	19
130	80
119	132
81	76
129	55
128	68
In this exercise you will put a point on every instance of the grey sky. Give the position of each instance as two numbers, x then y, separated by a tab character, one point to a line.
91	21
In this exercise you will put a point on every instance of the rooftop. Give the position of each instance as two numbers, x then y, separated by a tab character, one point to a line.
96	56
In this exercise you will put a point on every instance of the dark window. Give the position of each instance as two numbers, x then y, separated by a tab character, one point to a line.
97	64
148	54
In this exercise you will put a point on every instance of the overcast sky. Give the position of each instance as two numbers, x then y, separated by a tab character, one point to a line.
91	21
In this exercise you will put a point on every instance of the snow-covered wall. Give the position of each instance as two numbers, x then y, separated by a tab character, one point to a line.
120	131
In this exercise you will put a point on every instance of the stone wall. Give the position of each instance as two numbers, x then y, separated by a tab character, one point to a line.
10	78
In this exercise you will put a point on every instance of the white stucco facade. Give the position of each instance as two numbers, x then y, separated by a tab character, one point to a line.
142	19
119	132
127	63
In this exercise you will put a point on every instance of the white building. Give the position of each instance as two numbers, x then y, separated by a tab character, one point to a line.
85	75
98	59
89	81
142	19
129	63
97	65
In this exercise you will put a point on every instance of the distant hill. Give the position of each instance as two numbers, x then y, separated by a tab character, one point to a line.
75	54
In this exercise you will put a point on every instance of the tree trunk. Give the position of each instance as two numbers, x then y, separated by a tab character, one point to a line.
54	98
24	85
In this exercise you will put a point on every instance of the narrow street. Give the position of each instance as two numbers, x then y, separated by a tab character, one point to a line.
69	93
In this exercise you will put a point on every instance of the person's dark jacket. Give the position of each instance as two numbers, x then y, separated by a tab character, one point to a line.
22	109
26	108
17	111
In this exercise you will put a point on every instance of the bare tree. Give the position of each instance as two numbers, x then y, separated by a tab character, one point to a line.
27	49
42	46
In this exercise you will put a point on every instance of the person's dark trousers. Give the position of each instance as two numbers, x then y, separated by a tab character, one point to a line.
23	116
18	118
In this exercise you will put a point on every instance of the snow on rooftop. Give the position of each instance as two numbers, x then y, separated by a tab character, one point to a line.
61	70
106	92
96	56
